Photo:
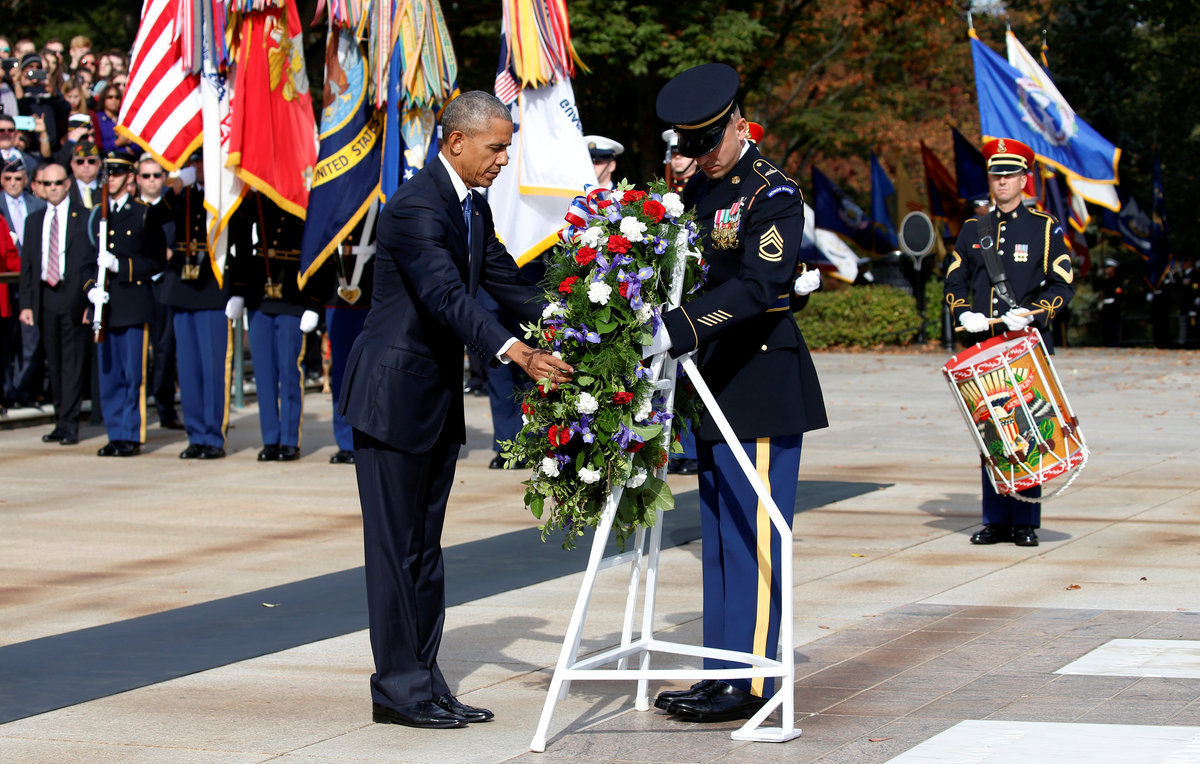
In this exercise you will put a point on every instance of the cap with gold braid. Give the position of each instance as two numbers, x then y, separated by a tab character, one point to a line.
1004	156
698	104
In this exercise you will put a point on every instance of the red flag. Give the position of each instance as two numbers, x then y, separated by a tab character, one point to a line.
161	108
273	141
944	203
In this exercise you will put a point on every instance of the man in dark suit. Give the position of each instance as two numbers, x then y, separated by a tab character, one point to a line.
21	346
753	357
402	394
56	260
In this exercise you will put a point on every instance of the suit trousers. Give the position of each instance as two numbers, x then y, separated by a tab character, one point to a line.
741	549
343	326
1006	510
162	344
66	341
203	356
123	382
277	347
403	499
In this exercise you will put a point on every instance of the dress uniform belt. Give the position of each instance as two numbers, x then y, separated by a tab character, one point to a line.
782	302
278	254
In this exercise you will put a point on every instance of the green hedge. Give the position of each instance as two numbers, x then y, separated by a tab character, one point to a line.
860	316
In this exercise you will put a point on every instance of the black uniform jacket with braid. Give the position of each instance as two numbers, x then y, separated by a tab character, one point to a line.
751	352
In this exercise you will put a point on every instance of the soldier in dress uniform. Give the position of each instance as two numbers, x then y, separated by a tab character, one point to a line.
132	253
1030	249
753	357
1112	298
679	169
194	291
264	273
604	153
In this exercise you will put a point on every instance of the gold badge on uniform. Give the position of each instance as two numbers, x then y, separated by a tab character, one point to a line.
348	293
273	291
770	246
191	272
725	226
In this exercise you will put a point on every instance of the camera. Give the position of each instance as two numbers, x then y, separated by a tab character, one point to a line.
37	75
8	64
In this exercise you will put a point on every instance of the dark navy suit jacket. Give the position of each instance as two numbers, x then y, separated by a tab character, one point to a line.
404	377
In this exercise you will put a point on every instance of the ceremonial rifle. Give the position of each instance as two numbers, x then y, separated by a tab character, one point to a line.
99	304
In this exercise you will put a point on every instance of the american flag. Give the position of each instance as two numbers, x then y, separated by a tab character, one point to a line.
161	108
507	88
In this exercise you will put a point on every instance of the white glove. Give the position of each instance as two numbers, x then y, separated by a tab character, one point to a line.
97	296
660	342
1017	321
308	321
973	322
234	308
187	176
807	283
106	260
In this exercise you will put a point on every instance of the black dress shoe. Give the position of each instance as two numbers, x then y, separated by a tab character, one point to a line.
683	466
470	713
424	714
53	436
288	454
128	448
1024	535
268	454
108	449
497	463
667	697
993	534
342	457
68	439
721	702
193	451
212	452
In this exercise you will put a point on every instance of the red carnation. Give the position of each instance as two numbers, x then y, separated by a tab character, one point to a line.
624	289
558	436
541	391
549	333
622	397
567	283
635	446
618	244
632	196
527	408
585	255
654	210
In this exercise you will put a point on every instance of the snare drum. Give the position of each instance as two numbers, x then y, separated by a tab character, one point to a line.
1016	410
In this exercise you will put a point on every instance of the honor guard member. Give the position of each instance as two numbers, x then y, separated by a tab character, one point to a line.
679	169
194	291
344	282
132	253
604	153
1030	253
264	275
753	357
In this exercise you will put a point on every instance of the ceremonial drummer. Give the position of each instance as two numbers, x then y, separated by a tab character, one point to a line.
195	291
132	251
264	275
1006	265
753	357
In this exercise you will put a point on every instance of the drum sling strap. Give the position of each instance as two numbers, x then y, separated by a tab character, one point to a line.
991	261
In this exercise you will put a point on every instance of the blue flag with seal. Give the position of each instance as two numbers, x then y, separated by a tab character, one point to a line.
833	211
1015	105
346	179
883	200
1132	224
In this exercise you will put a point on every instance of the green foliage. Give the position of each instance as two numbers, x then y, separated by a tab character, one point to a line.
865	316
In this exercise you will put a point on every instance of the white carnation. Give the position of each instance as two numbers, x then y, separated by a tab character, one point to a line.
587	404
637	478
673	204
632	228
645	313
599	292
550	466
589	475
644	411
553	309
592	236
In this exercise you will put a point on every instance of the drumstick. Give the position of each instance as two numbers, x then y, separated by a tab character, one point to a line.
993	321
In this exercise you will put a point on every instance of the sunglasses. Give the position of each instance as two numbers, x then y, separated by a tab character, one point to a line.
7	130
145	175
53	182
89	160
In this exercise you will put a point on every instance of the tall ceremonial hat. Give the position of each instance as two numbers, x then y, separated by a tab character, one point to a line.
698	103
1004	156
118	163
602	148
756	132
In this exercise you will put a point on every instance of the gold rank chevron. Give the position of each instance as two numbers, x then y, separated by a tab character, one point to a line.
770	246
714	318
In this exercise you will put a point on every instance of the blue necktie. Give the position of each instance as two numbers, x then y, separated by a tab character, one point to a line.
468	210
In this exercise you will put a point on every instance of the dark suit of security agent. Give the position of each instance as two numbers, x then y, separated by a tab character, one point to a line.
753	357
403	396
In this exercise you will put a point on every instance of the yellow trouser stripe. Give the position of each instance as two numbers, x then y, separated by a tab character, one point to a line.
142	386
228	375
762	620
300	373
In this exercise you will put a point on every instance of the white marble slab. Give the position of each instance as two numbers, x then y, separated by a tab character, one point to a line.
998	742
1173	658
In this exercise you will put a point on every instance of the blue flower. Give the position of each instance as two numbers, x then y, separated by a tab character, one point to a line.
624	436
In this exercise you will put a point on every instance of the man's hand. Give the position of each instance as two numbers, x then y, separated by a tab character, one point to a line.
540	364
1016	321
26	316
974	322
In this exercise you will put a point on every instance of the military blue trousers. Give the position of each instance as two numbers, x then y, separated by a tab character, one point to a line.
277	347
123	382
343	326
202	358
998	508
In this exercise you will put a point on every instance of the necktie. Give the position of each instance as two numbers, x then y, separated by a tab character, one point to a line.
468	210
52	267
85	191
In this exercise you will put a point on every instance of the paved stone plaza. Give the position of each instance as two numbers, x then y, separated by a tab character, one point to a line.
159	610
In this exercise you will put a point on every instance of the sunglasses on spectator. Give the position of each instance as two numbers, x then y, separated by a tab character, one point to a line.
111	96
7	130
89	160
52	182
145	175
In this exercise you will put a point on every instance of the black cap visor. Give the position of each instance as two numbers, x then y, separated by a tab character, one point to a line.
697	143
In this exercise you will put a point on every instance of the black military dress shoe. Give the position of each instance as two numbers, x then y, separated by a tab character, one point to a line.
269	453
424	714
667	697
497	463
288	454
53	436
193	451
1024	535
721	702
470	713
993	534
128	448
342	457
108	449
212	452
683	466
68	439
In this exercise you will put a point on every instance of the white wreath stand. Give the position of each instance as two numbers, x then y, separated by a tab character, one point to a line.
643	563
